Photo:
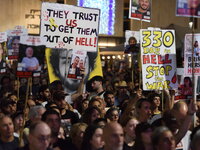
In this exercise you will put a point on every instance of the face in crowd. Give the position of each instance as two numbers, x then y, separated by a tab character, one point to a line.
6	128
40	137
96	84
113	136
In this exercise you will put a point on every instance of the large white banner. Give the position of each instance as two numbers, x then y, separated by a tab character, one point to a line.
158	55
71	27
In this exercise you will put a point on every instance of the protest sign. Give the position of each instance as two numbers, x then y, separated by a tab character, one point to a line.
31	56
13	41
140	10
77	66
3	37
129	33
132	40
158	59
185	88
58	61
71	27
188	8
2	57
3	50
188	54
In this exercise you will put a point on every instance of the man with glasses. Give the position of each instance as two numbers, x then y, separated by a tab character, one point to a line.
53	119
39	137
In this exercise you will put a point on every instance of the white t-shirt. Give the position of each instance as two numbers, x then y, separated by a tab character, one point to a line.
185	142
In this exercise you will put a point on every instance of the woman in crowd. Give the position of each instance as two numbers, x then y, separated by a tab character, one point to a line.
92	139
129	126
143	132
112	114
91	114
163	139
155	103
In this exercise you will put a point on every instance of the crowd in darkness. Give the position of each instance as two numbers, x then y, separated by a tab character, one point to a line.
114	113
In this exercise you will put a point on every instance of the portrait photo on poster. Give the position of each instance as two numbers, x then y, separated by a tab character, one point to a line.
13	47
140	10
188	8
59	62
192	53
185	88
2	57
31	58
77	65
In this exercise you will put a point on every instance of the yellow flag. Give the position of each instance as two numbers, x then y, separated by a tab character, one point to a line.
97	71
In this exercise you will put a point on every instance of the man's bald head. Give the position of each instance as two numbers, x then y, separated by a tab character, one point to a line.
180	110
113	136
40	135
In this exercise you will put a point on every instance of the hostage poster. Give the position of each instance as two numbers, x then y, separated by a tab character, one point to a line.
158	57
70	27
77	66
31	56
188	8
188	54
140	10
3	51
14	40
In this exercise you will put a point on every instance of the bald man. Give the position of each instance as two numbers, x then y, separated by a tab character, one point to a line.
113	136
39	137
179	111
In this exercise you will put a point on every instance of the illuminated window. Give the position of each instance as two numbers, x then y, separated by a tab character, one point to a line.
107	17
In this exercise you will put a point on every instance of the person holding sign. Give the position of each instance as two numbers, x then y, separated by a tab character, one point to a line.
31	63
143	8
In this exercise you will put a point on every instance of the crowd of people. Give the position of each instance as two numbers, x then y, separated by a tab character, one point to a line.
114	113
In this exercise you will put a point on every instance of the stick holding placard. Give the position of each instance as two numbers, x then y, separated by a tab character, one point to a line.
24	115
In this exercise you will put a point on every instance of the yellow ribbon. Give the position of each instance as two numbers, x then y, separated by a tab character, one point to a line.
52	23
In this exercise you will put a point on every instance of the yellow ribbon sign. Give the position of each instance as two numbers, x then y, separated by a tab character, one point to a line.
52	23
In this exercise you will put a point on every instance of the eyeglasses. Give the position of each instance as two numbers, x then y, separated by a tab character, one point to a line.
44	138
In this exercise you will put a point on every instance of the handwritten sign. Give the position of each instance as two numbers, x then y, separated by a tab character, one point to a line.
158	59
188	54
71	27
